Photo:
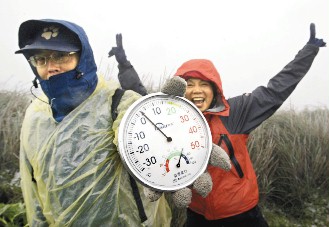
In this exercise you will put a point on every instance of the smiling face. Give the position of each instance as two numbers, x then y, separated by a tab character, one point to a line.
200	93
52	68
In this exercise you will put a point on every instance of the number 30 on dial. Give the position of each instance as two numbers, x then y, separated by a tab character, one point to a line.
164	142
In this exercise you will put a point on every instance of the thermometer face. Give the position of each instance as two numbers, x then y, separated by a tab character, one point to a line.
164	142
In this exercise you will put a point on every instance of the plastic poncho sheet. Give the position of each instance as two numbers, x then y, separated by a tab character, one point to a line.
71	171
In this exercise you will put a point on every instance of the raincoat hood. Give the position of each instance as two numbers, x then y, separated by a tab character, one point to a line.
68	90
205	70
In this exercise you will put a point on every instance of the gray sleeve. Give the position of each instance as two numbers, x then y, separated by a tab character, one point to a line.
129	79
249	110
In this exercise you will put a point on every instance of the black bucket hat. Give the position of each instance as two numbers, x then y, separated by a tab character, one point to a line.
42	35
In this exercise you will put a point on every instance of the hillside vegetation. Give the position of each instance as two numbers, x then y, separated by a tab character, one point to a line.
289	151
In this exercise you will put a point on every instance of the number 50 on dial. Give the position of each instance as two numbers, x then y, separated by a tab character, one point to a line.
164	142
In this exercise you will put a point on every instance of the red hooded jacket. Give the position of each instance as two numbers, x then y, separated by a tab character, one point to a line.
230	122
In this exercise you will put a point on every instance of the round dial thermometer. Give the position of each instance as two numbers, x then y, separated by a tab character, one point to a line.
164	141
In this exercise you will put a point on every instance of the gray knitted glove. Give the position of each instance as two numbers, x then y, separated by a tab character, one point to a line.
219	158
152	195
182	198
203	184
175	86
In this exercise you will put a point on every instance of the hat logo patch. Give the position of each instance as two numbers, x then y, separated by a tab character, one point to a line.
50	32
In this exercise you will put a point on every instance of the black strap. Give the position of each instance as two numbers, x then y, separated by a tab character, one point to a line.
138	199
231	150
115	102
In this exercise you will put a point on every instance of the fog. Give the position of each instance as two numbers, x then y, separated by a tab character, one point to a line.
248	41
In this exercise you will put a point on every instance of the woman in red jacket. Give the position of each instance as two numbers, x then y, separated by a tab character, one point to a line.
234	198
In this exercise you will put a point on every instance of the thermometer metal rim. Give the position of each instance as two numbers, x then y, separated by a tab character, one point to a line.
122	146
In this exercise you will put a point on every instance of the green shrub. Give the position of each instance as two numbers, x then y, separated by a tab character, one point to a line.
12	215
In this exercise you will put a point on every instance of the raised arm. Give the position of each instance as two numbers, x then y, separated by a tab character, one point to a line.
262	103
128	76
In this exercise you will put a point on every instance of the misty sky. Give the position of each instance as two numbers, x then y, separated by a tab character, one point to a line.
248	41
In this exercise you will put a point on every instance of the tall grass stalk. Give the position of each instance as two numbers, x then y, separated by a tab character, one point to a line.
12	106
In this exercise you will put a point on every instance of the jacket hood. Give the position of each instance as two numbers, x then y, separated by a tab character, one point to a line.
67	90
208	72
86	64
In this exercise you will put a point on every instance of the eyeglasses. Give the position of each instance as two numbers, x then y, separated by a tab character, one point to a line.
56	57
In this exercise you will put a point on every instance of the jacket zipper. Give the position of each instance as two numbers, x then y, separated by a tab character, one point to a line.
231	153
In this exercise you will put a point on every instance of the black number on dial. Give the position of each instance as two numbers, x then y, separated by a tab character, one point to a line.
150	161
142	149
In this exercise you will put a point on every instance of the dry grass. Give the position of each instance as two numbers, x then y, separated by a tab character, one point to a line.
12	109
289	151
